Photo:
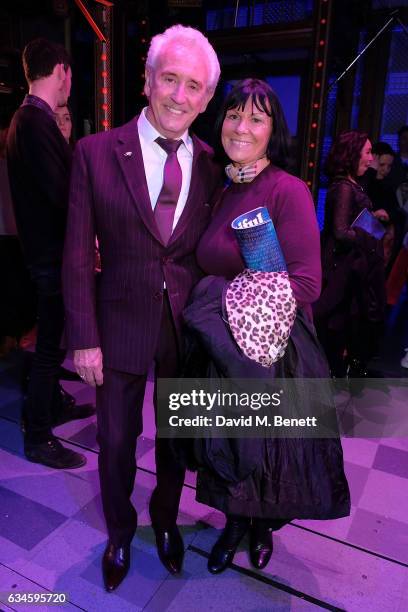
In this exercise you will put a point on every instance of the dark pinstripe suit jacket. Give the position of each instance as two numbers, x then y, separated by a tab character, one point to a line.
109	197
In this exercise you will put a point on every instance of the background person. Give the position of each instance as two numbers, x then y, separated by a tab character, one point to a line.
39	162
399	169
63	117
350	311
379	189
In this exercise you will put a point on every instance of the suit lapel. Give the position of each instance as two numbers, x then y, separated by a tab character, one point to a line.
193	193
129	155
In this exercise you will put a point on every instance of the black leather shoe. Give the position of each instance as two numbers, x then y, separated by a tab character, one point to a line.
224	549
170	548
115	565
72	413
260	544
53	454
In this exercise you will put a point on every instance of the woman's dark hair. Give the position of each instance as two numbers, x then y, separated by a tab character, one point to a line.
344	156
72	137
383	148
265	100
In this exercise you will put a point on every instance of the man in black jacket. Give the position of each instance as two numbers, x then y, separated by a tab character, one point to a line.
39	162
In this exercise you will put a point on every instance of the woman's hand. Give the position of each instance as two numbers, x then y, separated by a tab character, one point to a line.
381	215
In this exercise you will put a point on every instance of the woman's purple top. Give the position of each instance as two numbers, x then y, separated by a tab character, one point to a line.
291	209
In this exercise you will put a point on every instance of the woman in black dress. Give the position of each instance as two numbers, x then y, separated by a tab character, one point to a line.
350	311
286	478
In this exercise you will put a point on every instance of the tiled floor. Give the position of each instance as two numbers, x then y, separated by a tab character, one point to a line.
52	532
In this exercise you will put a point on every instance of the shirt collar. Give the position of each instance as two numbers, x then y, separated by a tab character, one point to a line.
31	100
149	133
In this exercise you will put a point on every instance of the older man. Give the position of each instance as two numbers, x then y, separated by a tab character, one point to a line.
145	189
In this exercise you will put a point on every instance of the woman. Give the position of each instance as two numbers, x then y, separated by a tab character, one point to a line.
255	138
63	117
382	195
350	311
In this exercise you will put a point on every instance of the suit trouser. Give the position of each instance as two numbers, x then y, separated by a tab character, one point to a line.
119	403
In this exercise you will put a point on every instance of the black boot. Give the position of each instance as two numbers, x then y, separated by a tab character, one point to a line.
224	549
260	543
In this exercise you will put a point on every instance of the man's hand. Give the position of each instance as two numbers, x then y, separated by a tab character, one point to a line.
88	364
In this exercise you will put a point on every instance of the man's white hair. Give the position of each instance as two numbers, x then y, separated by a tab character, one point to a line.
188	37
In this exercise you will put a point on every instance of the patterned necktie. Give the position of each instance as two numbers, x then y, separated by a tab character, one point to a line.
169	194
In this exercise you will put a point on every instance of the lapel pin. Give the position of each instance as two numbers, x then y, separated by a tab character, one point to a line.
128	154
